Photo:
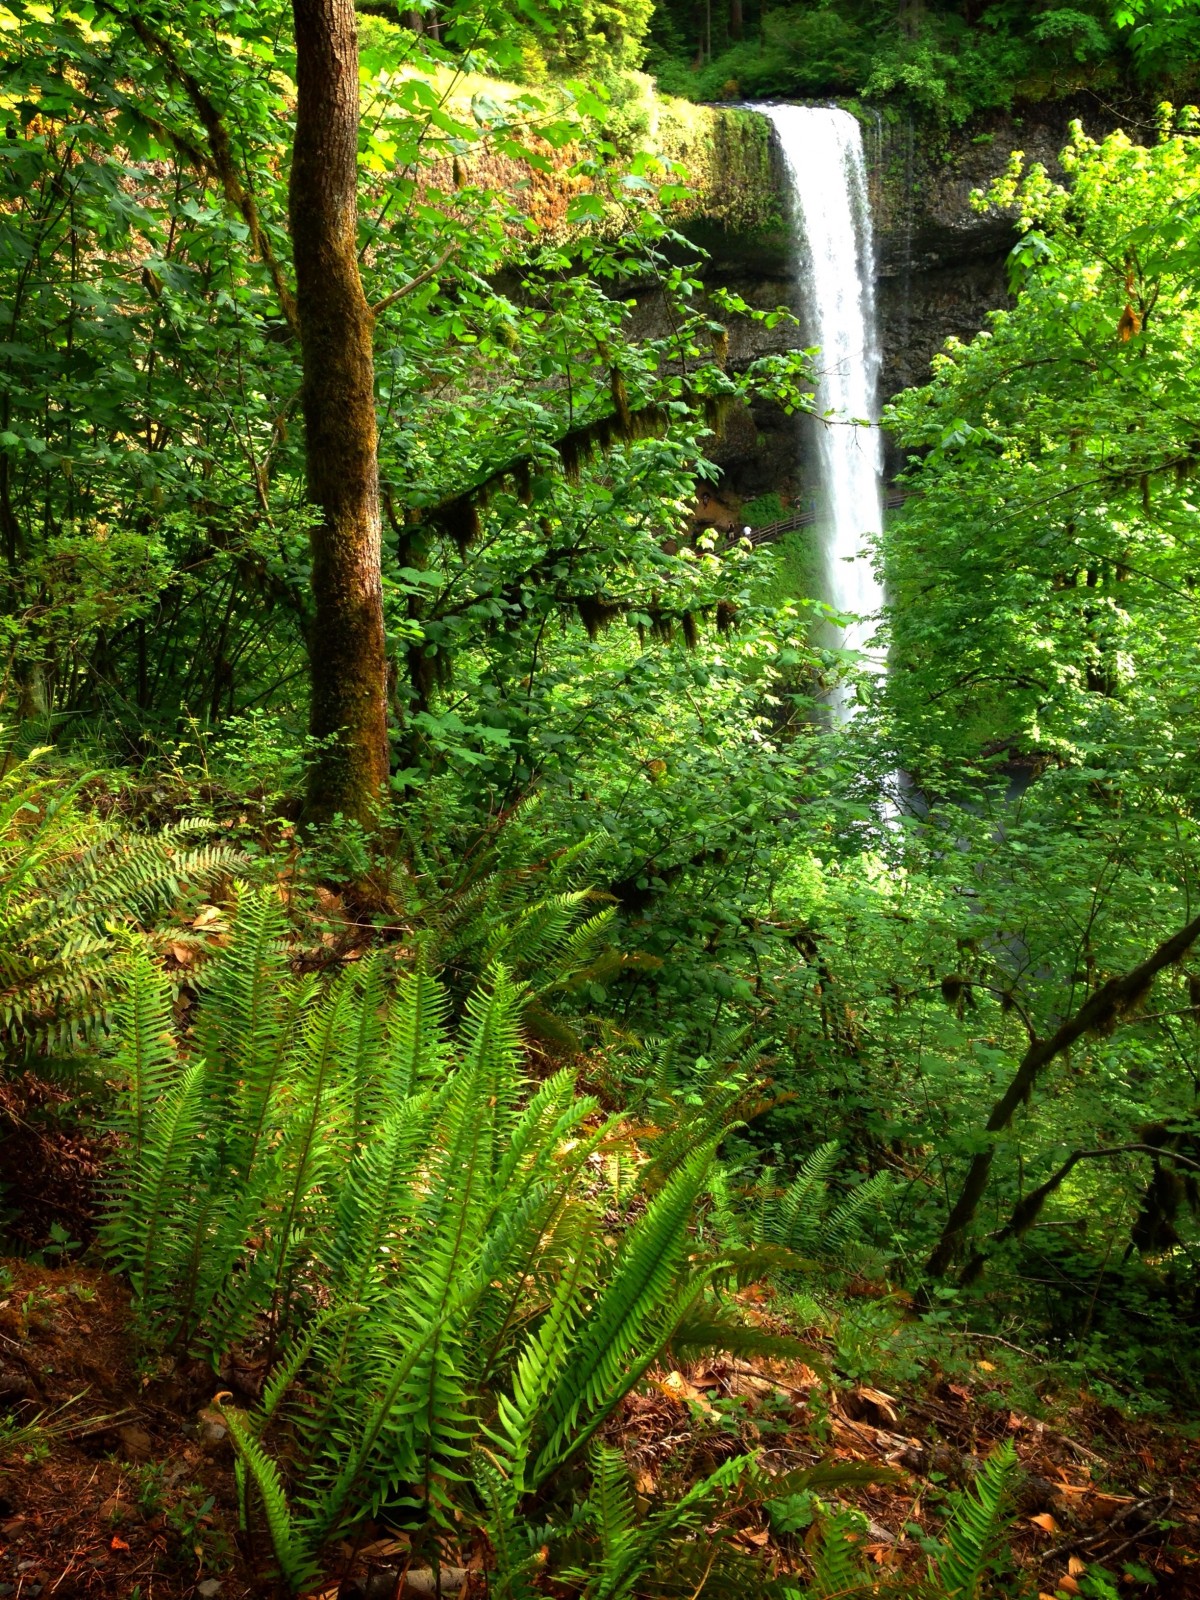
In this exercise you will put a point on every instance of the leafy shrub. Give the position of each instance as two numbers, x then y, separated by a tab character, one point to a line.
410	1228
759	513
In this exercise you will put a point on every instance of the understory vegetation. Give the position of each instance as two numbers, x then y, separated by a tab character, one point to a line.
459	987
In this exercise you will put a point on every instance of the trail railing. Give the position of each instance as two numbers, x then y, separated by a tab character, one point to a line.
805	519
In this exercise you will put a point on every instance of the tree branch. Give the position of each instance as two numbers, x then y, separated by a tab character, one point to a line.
1026	1212
221	149
1096	1014
415	283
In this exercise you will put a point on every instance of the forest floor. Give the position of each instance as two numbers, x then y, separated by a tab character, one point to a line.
136	1496
128	1490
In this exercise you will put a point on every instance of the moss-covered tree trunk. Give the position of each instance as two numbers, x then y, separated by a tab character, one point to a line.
347	648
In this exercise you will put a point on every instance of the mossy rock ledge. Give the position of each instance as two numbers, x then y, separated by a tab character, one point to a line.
724	155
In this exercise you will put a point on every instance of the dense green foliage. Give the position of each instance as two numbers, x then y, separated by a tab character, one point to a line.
652	981
942	62
151	471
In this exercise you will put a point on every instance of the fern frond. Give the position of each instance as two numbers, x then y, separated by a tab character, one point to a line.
292	1552
611	1504
146	1061
143	1231
361	1051
538	929
513	1560
829	1475
838	1570
294	1360
839	1226
539	1365
705	1330
379	1201
622	1570
640	1286
418	1048
576	951
976	1526
242	1029
795	1221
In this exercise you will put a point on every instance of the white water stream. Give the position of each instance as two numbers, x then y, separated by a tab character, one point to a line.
831	221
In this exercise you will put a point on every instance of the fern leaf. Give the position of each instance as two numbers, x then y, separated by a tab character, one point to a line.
623	1568
294	1555
796	1221
146	1221
976	1526
839	1226
513	1560
705	1330
838	1570
640	1286
611	1504
146	1061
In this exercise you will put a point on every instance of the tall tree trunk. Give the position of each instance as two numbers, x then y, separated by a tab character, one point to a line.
347	647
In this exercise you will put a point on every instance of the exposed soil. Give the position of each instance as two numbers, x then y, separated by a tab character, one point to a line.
50	1162
1098	1490
135	1496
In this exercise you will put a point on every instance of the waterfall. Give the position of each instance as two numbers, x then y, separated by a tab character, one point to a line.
831	222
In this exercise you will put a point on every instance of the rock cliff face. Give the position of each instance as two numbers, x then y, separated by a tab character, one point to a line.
940	265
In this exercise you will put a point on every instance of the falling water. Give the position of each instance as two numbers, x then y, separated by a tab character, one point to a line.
823	155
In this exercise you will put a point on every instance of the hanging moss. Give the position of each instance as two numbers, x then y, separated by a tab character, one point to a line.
523	481
716	411
460	518
429	669
459	515
620	400
596	614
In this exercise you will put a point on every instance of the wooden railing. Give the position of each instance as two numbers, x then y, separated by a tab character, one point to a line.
804	519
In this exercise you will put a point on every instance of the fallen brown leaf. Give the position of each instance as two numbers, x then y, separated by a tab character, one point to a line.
384	1547
883	1403
1107	1505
